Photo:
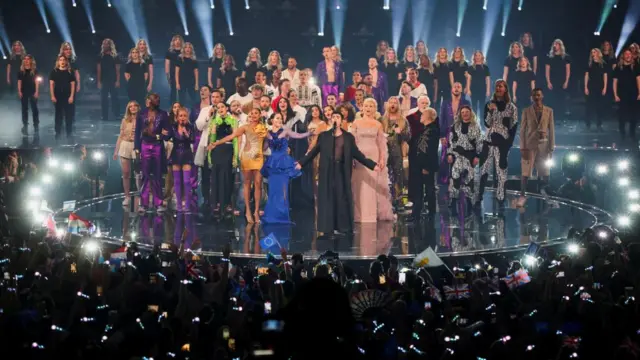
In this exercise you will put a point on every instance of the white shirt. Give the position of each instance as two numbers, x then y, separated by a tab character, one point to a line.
417	92
294	79
309	95
244	100
202	124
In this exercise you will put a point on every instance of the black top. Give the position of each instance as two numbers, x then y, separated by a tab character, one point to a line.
511	63
15	65
558	69
268	71
62	80
228	81
148	60
523	79
28	81
250	73
214	64
478	75
172	56
392	71
187	75
596	72
428	79
627	86
427	147
441	71
529	53
136	71
459	70
107	67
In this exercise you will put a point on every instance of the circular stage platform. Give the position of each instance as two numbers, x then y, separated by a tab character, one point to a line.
487	230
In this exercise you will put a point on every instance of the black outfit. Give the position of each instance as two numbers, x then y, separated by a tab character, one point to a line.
228	79
15	63
173	57
107	79
301	187
459	69
441	72
428	79
530	53
148	61
215	64
62	91
523	91
511	63
595	99
478	75
557	75
188	94
392	71
250	73
335	198
28	91
137	85
426	158
268	71
415	172
628	94
222	175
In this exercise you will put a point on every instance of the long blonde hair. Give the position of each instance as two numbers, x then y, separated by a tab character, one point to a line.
247	61
473	59
218	46
563	50
523	58
32	70
426	49
278	65
437	58
183	53
406	51
591	61
514	44
386	57
13	54
112	48
402	122
379	52
339	56
128	116
57	67
63	46
130	58
146	54
621	58
463	59
176	37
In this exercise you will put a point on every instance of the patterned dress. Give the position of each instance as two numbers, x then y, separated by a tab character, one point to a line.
395	161
465	145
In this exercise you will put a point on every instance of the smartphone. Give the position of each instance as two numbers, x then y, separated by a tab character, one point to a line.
382	279
402	277
560	274
153	278
273	325
263	271
7	276
152	308
99	290
267	307
427	305
165	264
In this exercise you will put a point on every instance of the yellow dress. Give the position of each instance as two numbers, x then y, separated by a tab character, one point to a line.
251	157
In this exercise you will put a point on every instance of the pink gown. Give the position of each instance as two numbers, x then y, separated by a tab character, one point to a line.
371	196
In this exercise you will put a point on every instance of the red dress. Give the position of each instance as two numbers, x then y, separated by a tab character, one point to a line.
350	94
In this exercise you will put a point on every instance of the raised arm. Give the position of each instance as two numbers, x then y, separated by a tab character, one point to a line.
236	133
294	135
311	154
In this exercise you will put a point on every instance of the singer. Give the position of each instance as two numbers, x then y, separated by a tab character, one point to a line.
335	199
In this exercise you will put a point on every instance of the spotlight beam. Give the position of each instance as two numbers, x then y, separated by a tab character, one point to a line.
606	11
506	11
462	9
322	10
43	14
337	13
398	14
630	22
226	7
204	16
56	7
87	9
182	12
490	21
421	16
133	18
4	38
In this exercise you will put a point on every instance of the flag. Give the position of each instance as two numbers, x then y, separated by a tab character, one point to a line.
270	243
79	224
118	256
50	223
427	258
434	293
457	292
518	278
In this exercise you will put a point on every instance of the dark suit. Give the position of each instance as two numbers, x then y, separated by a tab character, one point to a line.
426	159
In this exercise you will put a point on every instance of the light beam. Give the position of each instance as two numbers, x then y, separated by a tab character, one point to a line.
43	15
630	22
322	10
398	14
462	9
87	9
133	19
182	12
337	13
204	16
490	20
56	7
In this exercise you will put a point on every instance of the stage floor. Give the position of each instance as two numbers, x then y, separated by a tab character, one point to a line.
488	230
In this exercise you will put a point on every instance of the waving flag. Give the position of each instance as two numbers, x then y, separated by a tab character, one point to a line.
457	292
79	224
518	278
427	258
118	256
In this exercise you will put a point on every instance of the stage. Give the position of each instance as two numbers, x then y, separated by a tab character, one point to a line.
487	230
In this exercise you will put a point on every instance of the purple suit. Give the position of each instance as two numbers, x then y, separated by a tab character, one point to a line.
381	91
149	141
446	121
413	101
327	87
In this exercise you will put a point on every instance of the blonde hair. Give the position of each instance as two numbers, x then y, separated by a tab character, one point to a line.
386	57
278	64
247	61
437	62
370	100
513	44
621	58
431	112
530	39
128	116
473	60
73	51
32	70
600	61
463	59
523	58
146	54
458	117
218	46
406	51
112	47
379	52
176	37
13	54
426	49
130	58
563	50
233	63
57	67
183	53
402	122
339	56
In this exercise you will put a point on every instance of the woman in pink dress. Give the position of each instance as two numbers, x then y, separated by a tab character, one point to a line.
371	196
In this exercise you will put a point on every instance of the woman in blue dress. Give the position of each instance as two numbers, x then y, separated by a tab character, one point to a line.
182	137
279	168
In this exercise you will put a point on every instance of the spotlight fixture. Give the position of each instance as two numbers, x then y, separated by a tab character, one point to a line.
337	7
484	7
623	181
573	157
68	167
320	34
48	31
231	33
98	156
74	4
247	7
549	163
519	8
47	179
634	194
573	248
624	221
186	33
623	164
602	169
213	6
386	7
458	34
634	208
93	31
4	57
35	191
502	34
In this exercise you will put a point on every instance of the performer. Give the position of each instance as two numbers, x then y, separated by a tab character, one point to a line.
227	75
465	145
372	199
308	94
252	63
207	112
291	73
62	86
626	92
425	165
215	63
441	72
108	78
152	126
406	100
143	49
537	141
392	68
316	125
479	85
596	79
557	73
501	119
330	76
136	74
409	59
458	68
170	61
18	53
29	91
416	128
338	150
523	81
223	159
379	82
168	148
381	50
511	62
251	160
274	62
182	136
124	148
449	110
426	75
187	75
279	168
528	50
421	49
397	131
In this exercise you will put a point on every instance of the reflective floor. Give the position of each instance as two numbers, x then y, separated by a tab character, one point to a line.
487	230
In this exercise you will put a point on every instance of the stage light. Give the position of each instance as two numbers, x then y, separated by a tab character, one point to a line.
462	9
231	33
4	40
204	17
623	181
182	13
74	3
624	221
629	25
519	8
385	5
596	33
484	5
93	31
48	31
573	248
322	11
604	15
502	34
422	12
57	9
87	9
549	163
634	208
98	156
337	7
213	6
337	15
132	14
226	7
320	34
602	234
506	12
35	191
47	179
398	15
246	5
108	3
43	15
91	246
458	34
573	157
490	19
602	169
186	33
60	232
634	194
31	205
623	165
530	261
68	167
53	162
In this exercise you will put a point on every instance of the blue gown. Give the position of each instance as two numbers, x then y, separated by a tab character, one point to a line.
279	168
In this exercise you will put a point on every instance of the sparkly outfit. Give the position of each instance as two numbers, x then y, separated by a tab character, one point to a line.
182	154
465	144
148	140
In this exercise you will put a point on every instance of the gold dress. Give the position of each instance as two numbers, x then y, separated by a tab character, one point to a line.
251	156
316	129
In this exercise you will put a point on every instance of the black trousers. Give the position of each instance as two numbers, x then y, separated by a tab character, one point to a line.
109	90
137	93
558	100
188	96
222	175
173	93
341	206
63	110
415	173
595	107
26	100
627	108
205	181
424	187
